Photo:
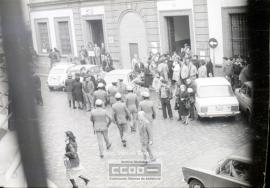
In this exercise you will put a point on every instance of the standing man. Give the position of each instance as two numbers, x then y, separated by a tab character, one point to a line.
120	115
122	87
165	96
209	67
132	103
100	93
97	55
101	121
88	89
77	91
147	106
112	90
69	84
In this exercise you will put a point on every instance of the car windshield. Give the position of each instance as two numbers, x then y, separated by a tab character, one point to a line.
215	91
58	71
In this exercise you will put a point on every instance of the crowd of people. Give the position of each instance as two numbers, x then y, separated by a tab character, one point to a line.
89	54
164	77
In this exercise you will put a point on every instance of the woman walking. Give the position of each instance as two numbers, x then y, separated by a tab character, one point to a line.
72	161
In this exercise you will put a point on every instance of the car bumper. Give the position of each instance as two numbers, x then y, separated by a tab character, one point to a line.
218	114
55	85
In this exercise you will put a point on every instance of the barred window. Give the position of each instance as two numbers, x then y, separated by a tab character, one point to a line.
64	37
239	34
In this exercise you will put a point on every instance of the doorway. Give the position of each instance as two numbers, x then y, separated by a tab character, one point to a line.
178	29
95	28
133	49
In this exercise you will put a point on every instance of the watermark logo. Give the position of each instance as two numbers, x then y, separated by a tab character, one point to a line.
134	170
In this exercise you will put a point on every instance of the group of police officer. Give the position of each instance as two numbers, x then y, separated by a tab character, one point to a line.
125	105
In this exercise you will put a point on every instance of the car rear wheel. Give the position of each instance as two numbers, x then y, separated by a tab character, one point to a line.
195	184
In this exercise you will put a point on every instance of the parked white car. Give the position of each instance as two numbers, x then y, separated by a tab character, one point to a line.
58	75
215	98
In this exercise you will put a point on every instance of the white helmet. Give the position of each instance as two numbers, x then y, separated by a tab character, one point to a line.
189	90
99	102
100	85
118	96
129	88
145	94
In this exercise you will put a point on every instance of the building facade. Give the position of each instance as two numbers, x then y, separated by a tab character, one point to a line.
129	27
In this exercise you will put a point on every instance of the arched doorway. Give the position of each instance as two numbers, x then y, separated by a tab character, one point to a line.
132	38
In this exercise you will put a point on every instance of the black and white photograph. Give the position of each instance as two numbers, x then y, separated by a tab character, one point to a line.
134	93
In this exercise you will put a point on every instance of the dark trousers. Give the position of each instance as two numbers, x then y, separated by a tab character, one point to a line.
166	106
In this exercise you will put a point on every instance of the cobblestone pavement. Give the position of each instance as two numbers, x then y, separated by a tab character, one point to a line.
175	145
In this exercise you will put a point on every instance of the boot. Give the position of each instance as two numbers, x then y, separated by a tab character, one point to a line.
74	185
84	179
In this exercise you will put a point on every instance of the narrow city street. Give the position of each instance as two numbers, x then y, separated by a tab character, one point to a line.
175	145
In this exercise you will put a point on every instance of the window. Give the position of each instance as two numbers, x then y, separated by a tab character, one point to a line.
239	34
43	37
64	37
215	91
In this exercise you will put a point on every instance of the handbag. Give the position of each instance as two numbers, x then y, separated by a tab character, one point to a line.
71	163
187	104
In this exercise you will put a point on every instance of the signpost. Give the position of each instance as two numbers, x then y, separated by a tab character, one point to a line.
213	43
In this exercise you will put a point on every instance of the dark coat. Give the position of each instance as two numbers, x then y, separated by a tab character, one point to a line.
71	153
139	69
210	68
182	108
77	91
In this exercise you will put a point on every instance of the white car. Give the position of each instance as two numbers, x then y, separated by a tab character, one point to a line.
214	98
58	75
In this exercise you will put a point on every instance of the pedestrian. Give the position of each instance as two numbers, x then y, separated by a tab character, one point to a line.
88	89
185	105
83	55
122	87
148	78
68	88
193	72
184	70
91	53
178	105
147	106
190	89
209	67
101	80
72	161
202	71
97	54
101	94
58	54
176	71
112	90
101	122
163	68
138	67
146	137
53	58
132	103
77	93
165	96
121	115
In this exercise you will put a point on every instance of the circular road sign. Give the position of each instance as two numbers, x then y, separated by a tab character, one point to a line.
213	43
